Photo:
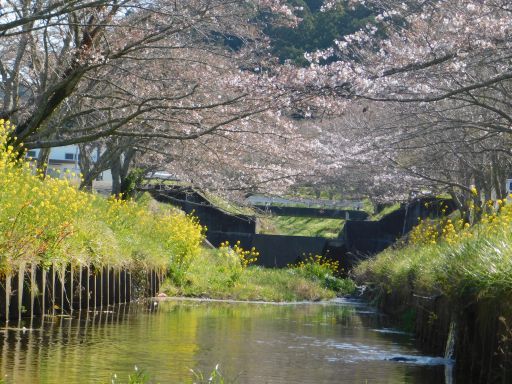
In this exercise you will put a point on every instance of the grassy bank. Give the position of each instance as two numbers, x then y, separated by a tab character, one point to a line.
386	211
46	221
449	258
453	273
220	274
300	226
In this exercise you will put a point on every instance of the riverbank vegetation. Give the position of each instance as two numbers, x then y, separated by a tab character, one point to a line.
226	274
197	377
47	221
453	281
449	257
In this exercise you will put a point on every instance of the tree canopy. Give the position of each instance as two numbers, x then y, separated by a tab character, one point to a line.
396	94
317	29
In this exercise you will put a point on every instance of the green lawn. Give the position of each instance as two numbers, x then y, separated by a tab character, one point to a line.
300	226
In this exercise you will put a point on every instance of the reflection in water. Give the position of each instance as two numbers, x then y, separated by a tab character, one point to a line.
255	343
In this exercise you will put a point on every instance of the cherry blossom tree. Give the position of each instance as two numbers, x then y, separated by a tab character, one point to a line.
52	49
418	100
440	147
134	77
439	73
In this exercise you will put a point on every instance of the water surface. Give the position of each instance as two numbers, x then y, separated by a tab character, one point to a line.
336	342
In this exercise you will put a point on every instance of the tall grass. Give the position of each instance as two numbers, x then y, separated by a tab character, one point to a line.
451	258
47	221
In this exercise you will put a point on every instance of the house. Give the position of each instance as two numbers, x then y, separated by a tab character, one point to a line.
64	162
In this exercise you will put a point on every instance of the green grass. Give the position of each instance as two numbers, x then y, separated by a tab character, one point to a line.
300	226
386	211
312	193
213	276
228	206
475	263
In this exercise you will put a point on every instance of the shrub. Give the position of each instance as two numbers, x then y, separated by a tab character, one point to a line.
324	270
237	259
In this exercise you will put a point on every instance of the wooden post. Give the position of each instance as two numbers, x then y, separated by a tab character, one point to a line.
71	292
108	285
33	289
119	286
125	283
39	293
97	292
150	283
21	279
43	297
13	300
89	295
158	282
128	285
53	290
114	287
2	297
7	296
104	284
80	272
62	279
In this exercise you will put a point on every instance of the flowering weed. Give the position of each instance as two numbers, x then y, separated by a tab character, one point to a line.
48	221
451	257
324	270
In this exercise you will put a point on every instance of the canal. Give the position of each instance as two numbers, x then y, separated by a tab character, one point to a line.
335	342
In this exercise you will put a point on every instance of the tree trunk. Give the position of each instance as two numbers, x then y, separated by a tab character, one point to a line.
86	184
125	181
462	205
116	176
42	161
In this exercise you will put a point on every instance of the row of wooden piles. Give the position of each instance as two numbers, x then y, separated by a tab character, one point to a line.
34	291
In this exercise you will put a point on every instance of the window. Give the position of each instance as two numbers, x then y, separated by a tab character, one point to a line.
69	156
99	177
31	154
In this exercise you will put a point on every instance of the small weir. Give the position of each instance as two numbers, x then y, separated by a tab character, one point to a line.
60	290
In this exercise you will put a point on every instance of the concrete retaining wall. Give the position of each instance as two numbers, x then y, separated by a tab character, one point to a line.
482	330
279	251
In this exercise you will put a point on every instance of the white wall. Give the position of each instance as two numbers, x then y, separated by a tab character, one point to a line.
68	155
